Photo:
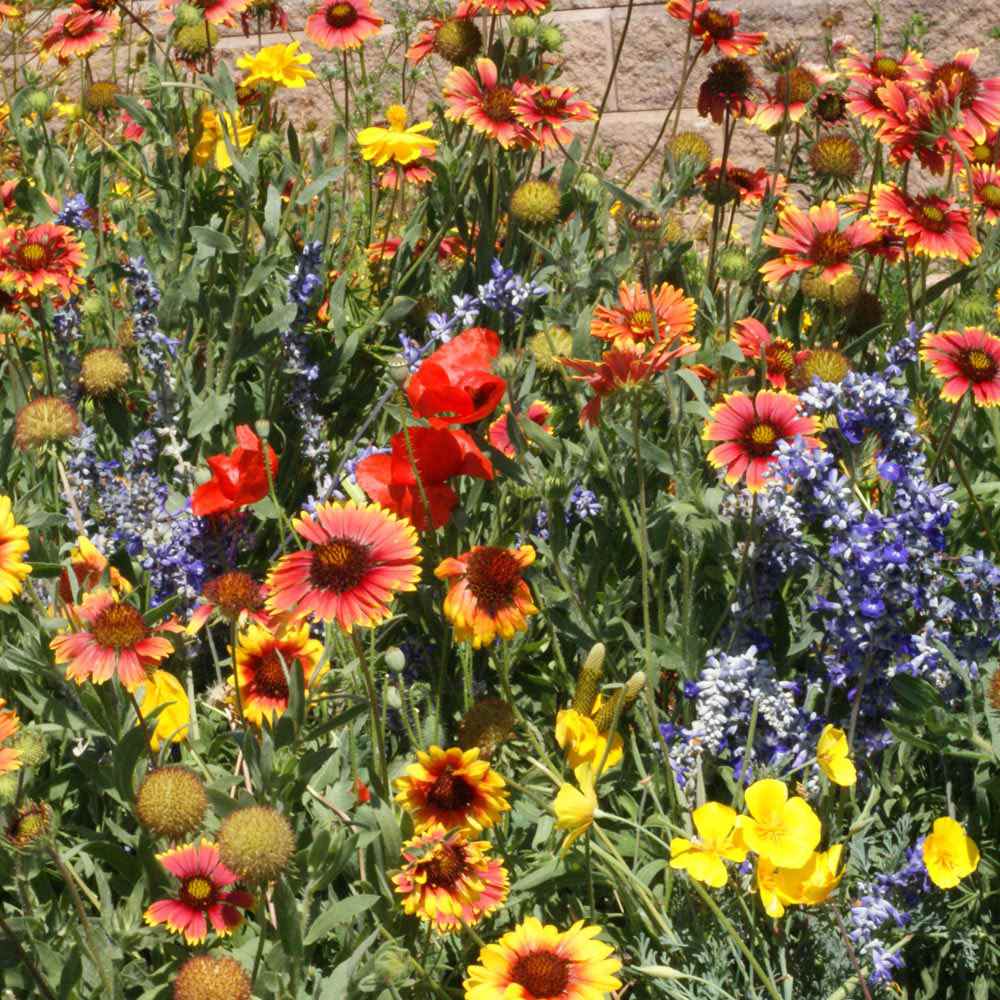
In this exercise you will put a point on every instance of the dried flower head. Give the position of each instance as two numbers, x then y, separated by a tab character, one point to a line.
171	802
256	843
45	420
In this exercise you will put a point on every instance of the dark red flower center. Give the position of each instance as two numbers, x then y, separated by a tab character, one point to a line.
549	104
990	193
730	78
498	104
450	792
716	23
762	439
796	86
119	626
887	68
77	25
446	867
233	593
977	366
829	249
198	892
492	575
780	356
931	216
542	973
831	106
339	565
269	676
958	80
34	255
341	15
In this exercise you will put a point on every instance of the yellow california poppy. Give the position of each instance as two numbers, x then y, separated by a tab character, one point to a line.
949	855
575	807
717	841
832	756
171	724
784	831
396	142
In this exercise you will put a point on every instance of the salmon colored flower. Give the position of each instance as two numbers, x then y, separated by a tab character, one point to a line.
668	320
76	33
717	841
781	830
488	597
235	596
452	788
986	190
545	110
949	855
396	143
13	548
537	412
110	636
342	24
540	961
750	428
908	122
882	68
10	759
87	565
833	757
575	806
968	361
978	99
716	29
791	94
516	7
814	239
202	898
756	342
161	688
932	226
238	479
37	257
485	104
418	171
449	881
264	661
358	559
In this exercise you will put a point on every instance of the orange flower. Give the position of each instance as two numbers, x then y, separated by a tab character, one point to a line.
87	565
780	357
978	99
488	597
932	226
634	323
31	259
10	759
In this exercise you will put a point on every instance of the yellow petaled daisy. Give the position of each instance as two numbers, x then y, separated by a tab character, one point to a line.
213	131
540	962
452	787
575	807
395	142
832	756
488	597
450	881
282	65
13	546
949	855
171	725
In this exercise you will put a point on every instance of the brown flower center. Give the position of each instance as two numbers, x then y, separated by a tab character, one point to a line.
542	973
780	356
492	576
977	365
450	792
119	626
931	216
796	86
33	256
269	676
233	593
831	106
829	249
446	867
887	68
199	892
341	15
730	78
958	81
339	565
499	104
762	439
990	193
716	23
548	104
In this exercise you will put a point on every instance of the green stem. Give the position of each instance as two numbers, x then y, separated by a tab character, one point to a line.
26	960
378	739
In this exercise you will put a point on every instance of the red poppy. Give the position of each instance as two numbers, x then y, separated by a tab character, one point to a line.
439	454
455	385
238	478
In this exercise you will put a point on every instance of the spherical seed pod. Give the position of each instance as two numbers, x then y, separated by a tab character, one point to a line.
535	203
835	156
31	746
100	95
171	802
824	363
103	371
733	264
549	344
690	147
550	38
195	40
458	40
46	420
256	843
523	26
212	977
29	823
486	725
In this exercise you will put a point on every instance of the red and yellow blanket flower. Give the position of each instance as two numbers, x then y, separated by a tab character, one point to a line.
452	788
264	661
978	99
932	226
76	32
10	759
790	95
814	239
485	104
716	29
88	565
985	190
545	111
33	258
110	636
235	597
342	24
14	567
202	898
449	881
537	960
881	68
756	342
968	361
358	558
665	320
749	429
488	596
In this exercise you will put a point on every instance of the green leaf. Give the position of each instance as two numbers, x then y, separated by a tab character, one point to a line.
272	212
286	909
340	912
335	985
212	239
208	412
324	180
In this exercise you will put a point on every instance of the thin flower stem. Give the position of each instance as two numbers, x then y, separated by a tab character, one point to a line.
611	81
25	958
945	438
142	721
851	953
262	922
378	738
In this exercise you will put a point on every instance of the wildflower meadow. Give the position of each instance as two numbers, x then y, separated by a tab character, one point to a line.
447	555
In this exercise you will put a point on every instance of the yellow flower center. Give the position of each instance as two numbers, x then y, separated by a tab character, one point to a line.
198	891
542	973
32	256
977	365
640	323
119	626
887	68
341	15
339	565
762	439
990	193
396	116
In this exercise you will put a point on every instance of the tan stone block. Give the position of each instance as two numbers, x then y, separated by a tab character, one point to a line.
586	56
649	71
